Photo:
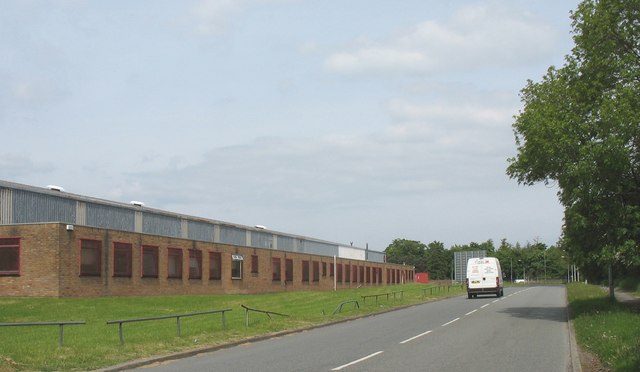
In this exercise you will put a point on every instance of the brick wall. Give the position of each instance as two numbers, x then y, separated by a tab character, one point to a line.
38	261
51	266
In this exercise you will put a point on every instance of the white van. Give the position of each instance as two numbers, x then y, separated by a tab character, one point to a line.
484	276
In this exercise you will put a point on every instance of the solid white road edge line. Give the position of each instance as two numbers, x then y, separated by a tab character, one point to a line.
447	323
357	361
414	337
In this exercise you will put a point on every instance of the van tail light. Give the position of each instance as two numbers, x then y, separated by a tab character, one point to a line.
497	281
466	282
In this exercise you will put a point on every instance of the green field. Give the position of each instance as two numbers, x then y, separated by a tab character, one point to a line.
605	328
97	345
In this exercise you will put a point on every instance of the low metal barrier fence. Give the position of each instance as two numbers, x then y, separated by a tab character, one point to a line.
60	324
178	316
376	296
439	289
247	309
339	307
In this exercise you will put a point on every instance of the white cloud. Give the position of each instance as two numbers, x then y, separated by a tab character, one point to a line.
458	113
475	36
15	166
379	59
212	16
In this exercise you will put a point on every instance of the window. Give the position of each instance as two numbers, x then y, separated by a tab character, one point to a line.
316	271
122	259
254	264
275	265
380	275
339	273
9	256
305	271
368	274
215	266
361	270
375	275
236	266
347	273
90	257
288	270
354	276
388	276
195	264
174	263
331	269
324	269
149	261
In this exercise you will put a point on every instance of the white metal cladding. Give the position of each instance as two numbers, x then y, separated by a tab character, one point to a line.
29	204
353	253
233	235
6	206
30	207
110	217
375	256
158	224
320	248
284	243
200	231
261	239
460	263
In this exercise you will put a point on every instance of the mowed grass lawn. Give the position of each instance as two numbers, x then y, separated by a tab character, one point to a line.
97	345
606	329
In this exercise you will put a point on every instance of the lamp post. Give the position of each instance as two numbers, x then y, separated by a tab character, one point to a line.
511	270
524	274
545	266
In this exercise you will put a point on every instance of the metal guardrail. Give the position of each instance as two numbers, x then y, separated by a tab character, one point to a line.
60	324
339	307
364	298
247	309
178	316
439	289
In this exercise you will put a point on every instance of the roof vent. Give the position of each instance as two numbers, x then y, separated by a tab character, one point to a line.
137	203
55	188
261	227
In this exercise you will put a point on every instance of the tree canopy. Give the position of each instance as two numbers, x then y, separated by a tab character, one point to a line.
580	130
533	261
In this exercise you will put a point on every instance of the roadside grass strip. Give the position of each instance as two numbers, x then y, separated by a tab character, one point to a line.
97	345
605	328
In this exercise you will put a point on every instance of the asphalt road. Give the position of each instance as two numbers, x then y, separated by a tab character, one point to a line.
526	330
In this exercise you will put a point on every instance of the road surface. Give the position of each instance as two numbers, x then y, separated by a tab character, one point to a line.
526	330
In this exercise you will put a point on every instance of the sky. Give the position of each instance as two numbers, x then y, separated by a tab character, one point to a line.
359	121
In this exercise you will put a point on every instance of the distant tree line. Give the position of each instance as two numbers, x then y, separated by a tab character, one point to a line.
533	260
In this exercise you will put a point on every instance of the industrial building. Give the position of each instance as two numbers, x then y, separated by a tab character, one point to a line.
58	244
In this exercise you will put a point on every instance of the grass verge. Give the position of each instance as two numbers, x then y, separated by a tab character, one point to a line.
97	345
605	328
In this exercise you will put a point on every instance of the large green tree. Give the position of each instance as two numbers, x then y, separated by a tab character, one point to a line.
580	130
409	252
439	261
